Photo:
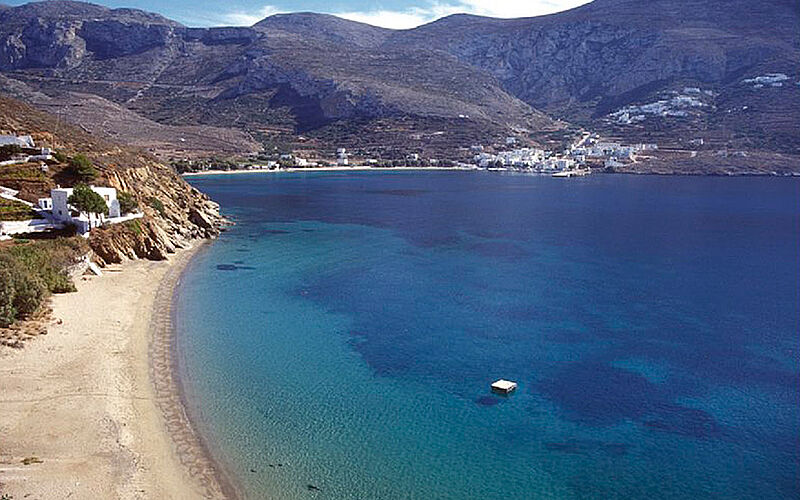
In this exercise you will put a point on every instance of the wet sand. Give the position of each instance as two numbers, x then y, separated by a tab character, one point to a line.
94	407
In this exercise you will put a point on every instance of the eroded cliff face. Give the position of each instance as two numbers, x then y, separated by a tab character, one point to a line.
175	214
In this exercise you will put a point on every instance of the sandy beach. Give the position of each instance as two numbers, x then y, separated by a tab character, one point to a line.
92	410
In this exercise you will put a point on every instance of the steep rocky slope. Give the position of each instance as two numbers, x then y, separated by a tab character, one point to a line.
175	213
303	71
586	63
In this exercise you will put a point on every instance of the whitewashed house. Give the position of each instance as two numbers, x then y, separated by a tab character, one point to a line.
564	163
45	203
66	214
23	141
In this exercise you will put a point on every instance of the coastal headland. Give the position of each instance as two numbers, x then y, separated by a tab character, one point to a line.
93	409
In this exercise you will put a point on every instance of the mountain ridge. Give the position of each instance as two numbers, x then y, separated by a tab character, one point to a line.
303	73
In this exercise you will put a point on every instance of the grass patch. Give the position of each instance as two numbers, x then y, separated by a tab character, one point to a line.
25	172
14	211
135	226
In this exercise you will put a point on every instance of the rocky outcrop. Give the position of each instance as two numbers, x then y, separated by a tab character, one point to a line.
175	214
111	38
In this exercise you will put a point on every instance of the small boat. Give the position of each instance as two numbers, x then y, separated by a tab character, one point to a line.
504	386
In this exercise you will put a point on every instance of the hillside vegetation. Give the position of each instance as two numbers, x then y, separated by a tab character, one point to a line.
32	270
185	213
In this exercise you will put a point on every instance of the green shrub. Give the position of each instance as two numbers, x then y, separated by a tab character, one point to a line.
22	291
30	271
134	226
30	292
7	151
127	203
87	201
61	157
8	313
157	205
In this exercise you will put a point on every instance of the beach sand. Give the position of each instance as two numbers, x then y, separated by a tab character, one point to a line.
94	406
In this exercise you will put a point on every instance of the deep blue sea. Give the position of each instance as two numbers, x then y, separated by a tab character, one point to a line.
340	340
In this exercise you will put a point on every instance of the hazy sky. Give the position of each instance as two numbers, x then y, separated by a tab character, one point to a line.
388	13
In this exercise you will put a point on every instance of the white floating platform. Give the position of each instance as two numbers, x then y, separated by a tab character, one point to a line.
504	386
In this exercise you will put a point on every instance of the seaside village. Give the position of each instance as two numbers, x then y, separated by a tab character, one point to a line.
60	210
577	160
583	156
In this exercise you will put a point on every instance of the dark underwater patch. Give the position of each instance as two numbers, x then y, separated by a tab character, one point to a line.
488	401
499	249
587	446
276	231
689	422
233	267
600	395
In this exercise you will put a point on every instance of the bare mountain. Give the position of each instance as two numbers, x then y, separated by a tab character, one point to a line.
590	62
706	75
300	71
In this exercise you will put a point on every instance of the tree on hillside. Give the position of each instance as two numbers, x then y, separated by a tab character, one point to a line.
82	167
87	201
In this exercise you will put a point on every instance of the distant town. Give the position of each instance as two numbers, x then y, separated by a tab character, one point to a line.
586	154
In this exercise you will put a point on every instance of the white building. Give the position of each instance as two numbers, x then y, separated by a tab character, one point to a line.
63	212
45	203
564	163
341	157
23	141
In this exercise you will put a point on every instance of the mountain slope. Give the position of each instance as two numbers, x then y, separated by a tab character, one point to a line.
691	75
301	71
596	59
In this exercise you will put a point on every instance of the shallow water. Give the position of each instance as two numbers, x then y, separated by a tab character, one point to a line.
339	341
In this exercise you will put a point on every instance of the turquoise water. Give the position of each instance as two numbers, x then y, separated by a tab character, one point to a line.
339	341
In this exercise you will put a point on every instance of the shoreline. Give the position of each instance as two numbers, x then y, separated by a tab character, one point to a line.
94	409
190	446
325	169
744	173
